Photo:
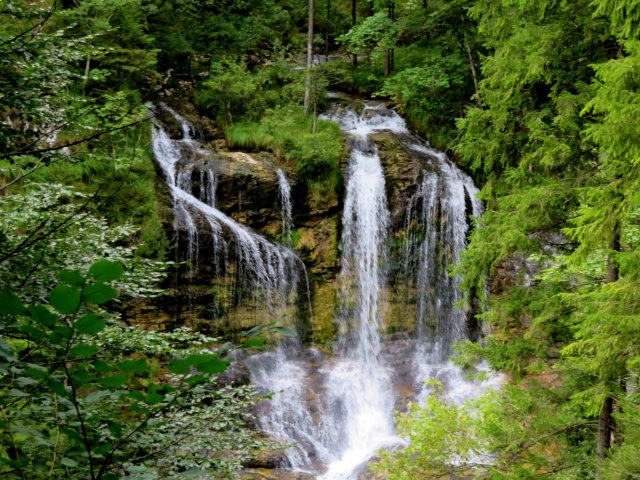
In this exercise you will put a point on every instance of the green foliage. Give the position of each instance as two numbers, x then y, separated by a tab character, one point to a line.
436	66
375	34
514	433
437	434
119	46
287	134
36	73
231	91
553	138
78	402
190	31
48	229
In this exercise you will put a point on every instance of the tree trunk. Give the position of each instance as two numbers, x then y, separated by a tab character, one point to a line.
307	90
354	19
85	78
314	125
606	424
605	428
472	65
613	271
326	38
388	56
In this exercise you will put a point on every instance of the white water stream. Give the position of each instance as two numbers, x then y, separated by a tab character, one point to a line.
336	411
270	271
286	206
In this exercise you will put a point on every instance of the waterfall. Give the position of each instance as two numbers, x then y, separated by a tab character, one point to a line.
334	411
269	271
360	382
284	193
437	224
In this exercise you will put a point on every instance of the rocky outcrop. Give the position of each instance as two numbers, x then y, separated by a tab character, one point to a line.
402	171
272	474
205	295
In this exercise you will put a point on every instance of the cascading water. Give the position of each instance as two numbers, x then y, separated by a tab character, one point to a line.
360	382
335	412
269	271
285	205
437	222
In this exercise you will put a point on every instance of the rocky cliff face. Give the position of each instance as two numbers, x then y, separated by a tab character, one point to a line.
246	189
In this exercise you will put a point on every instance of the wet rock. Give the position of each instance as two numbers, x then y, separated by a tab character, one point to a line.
402	170
267	458
235	375
247	188
273	474
317	241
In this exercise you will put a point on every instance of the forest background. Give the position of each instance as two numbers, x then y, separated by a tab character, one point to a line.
537	99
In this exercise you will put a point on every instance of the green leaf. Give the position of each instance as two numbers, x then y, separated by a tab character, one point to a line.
102	449
179	367
284	331
253	342
81	375
198	358
113	381
60	335
213	366
194	380
25	381
90	324
99	293
106	271
154	398
42	315
38	372
10	304
71	433
35	333
102	366
6	352
134	366
57	386
67	462
83	350
115	428
98	395
194	473
65	299
72	278
136	395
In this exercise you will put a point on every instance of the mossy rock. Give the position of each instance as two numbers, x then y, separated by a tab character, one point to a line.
317	241
324	312
402	170
267	458
272	474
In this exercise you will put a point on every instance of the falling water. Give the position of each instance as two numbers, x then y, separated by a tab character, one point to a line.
360	382
335	411
285	205
272	271
437	222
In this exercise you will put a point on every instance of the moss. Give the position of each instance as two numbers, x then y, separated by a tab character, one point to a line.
288	134
324	311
